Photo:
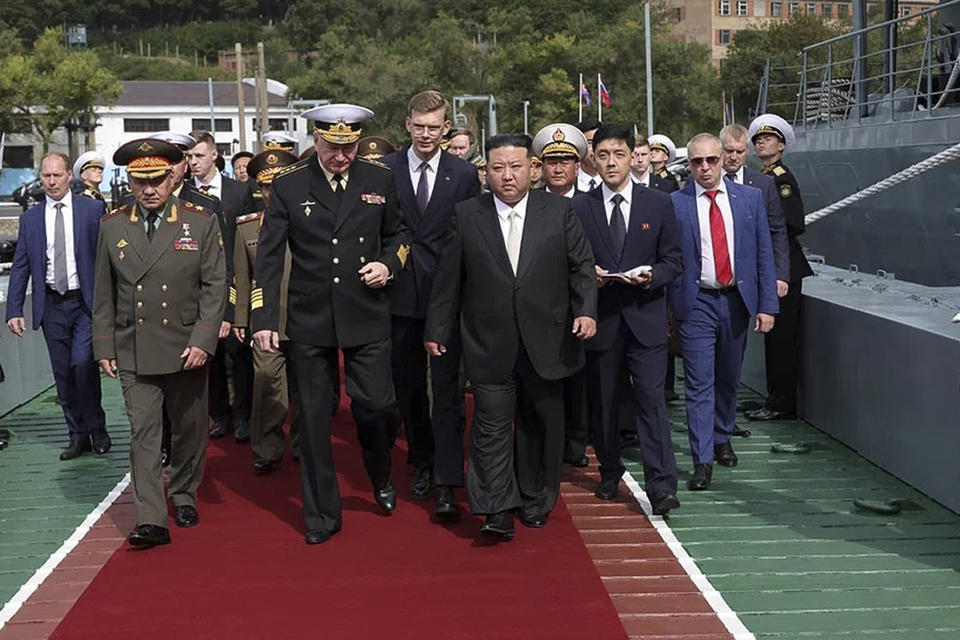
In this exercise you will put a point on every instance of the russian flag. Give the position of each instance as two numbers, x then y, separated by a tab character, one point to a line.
605	95
585	93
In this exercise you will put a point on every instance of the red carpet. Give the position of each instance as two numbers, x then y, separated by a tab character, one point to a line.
245	572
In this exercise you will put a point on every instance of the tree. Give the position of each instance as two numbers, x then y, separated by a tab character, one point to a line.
53	87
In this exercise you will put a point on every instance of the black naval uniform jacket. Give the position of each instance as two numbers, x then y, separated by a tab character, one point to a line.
328	305
792	205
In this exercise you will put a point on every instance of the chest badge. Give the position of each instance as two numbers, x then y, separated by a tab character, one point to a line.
120	255
186	242
122	244
306	204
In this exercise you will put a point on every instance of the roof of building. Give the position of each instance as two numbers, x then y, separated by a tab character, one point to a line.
193	93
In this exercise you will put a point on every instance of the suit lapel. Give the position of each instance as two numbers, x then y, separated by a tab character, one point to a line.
165	235
693	219
737	221
405	193
636	216
442	185
489	224
136	236
320	191
599	214
350	196
533	229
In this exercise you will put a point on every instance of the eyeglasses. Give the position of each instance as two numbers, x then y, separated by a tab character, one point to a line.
710	160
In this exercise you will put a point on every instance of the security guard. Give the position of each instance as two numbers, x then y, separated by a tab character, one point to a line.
88	172
771	136
560	146
341	220
270	380
158	303
662	151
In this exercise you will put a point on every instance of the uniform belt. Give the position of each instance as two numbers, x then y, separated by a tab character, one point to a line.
729	289
71	293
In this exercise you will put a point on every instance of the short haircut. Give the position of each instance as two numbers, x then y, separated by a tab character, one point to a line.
509	140
613	131
204	136
240	155
735	131
588	125
427	101
57	154
464	132
704	137
641	141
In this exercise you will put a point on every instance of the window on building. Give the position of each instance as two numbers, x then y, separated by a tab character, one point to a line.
723	7
776	9
826	10
203	124
18	157
842	10
723	36
145	125
794	8
741	7
811	8
678	14
276	124
225	148
905	11
760	8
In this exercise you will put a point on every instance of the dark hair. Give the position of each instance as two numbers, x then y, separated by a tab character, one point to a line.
588	125
641	141
613	131
509	140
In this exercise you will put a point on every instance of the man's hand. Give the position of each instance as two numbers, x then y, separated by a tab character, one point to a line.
601	272
239	333
764	323
109	367
267	341
584	327
374	274
435	348
224	330
782	288
195	358
642	279
17	325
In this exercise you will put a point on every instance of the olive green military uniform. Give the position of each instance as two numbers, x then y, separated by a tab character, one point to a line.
153	299
270	386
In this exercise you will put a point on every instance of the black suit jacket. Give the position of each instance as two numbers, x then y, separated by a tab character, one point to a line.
498	311
652	239
778	228
456	181
327	303
791	203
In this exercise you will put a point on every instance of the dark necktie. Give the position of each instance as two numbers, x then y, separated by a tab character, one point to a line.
718	236
618	226
338	187
423	188
205	188
732	177
60	282
152	224
592	184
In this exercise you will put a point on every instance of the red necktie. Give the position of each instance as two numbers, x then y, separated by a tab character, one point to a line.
718	235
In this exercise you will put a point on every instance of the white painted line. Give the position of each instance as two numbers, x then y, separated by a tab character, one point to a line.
727	615
41	574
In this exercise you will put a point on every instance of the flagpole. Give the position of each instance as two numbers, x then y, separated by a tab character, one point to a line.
599	100
580	99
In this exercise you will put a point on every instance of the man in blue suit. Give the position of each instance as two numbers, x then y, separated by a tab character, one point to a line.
728	276
632	230
429	183
57	251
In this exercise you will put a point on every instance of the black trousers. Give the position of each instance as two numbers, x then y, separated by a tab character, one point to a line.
575	415
647	368
237	359
782	353
503	476
374	408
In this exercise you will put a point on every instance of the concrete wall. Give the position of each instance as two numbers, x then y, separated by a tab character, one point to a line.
26	364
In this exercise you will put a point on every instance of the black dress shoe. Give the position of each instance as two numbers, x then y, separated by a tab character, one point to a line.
608	489
164	457
386	497
263	467
447	509
740	433
702	475
220	429
663	503
242	433
75	449
498	526
724	455
148	535
422	485
533	520
577	461
101	442
763	413
186	516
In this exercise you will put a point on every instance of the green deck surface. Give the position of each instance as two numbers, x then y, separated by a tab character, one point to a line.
42	500
780	538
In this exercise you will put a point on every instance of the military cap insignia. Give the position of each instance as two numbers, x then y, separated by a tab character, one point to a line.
145	147
785	191
558	135
272	158
122	243
402	252
373	198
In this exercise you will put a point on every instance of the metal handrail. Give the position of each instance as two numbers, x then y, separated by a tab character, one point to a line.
880	25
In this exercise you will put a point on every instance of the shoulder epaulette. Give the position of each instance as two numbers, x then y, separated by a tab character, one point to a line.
256	195
113	213
250	217
296	166
196	208
375	163
779	171
205	195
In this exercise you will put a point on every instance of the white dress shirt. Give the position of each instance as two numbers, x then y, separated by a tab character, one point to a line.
433	165
708	267
739	174
216	186
49	223
645	180
626	191
503	213
583	180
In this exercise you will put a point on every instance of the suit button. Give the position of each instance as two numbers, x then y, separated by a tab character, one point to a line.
139	304
334	241
336	261
362	259
361	240
139	321
165	322
336	280
139	287
163	287
163	304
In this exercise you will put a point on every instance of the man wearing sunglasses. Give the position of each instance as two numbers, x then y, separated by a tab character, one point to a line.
728	276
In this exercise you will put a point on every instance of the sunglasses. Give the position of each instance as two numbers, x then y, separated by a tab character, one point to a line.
710	160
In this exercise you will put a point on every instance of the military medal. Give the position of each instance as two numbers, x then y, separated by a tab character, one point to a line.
306	207
120	255
186	243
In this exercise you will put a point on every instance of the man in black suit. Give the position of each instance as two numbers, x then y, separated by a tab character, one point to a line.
341	221
429	183
235	201
640	170
633	233
517	275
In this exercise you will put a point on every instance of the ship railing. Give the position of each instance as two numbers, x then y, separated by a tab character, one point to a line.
861	75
